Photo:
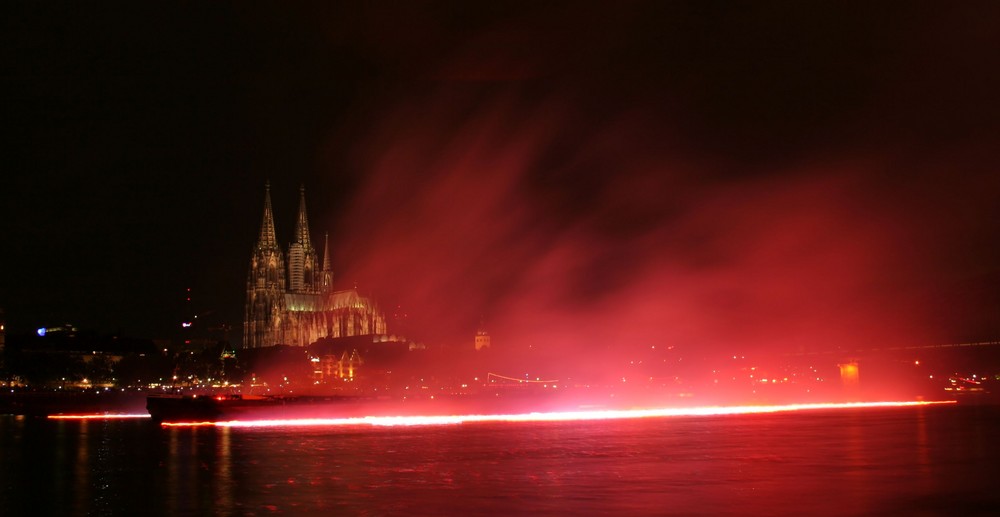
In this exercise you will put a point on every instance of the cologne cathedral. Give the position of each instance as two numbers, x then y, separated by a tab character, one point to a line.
290	299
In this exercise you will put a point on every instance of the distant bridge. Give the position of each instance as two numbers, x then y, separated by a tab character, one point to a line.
503	381
947	346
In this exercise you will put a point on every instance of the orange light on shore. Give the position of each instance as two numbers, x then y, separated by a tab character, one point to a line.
561	416
849	374
97	416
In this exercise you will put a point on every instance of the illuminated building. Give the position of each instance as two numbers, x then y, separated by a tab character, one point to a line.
342	366
296	305
482	338
849	374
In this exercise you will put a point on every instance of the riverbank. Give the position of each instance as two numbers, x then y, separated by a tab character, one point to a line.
64	402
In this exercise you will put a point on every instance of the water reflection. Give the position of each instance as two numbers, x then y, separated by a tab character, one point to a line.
858	487
922	446
843	463
173	477
223	472
81	472
57	480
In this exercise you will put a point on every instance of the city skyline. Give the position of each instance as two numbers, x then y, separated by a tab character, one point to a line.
713	176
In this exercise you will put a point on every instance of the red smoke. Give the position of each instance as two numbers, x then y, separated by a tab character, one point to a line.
583	209
466	211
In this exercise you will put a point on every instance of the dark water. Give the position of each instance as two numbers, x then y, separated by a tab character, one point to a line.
940	460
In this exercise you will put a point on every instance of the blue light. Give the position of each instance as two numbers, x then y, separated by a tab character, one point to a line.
41	332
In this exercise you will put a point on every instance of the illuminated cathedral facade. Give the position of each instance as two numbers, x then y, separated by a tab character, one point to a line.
291	300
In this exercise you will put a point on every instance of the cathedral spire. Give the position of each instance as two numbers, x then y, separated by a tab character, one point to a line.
302	261
326	251
267	235
302	226
326	274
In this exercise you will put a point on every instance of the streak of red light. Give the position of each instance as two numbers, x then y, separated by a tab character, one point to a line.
97	416
560	416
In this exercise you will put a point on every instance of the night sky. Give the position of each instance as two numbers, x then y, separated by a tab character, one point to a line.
716	175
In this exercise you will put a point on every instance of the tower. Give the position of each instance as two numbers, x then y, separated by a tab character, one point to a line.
326	275
265	285
482	337
849	377
301	255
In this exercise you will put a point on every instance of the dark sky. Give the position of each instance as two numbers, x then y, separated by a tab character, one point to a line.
714	174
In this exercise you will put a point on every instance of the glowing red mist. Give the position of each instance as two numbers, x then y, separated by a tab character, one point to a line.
584	219
587	249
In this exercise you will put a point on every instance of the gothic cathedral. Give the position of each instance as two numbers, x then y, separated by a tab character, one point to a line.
298	306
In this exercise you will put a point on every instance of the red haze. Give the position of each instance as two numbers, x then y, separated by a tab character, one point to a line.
585	240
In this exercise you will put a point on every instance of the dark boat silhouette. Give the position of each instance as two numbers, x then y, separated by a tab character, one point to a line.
214	408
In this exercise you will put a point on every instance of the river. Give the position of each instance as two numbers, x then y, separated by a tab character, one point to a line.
889	461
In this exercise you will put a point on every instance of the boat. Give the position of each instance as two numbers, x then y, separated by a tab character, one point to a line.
214	408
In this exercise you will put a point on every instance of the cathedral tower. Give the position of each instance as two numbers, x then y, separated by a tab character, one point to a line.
326	275
265	285
302	263
482	337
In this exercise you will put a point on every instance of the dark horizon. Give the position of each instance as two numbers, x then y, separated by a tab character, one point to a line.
756	176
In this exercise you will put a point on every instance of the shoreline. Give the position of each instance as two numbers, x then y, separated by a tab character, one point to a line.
44	403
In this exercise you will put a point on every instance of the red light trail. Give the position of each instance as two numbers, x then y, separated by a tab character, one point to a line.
559	416
97	416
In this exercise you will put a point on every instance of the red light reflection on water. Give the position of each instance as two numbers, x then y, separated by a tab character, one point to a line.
559	416
97	416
